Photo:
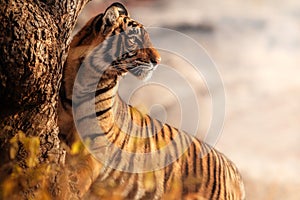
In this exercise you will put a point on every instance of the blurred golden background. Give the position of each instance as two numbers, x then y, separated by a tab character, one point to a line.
256	47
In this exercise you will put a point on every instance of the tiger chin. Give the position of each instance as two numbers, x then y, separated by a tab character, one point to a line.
109	46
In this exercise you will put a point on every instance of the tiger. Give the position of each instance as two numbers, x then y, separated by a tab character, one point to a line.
108	47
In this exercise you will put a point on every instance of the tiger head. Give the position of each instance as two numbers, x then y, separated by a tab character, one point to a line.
123	43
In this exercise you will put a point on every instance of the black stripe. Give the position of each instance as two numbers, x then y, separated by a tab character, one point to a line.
131	162
130	23
197	166
224	178
87	31
153	126
130	119
92	60
105	27
118	49
219	177
147	140
215	174
116	157
156	141
98	23
107	57
156	129
105	99
101	112
125	19
121	26
201	167
130	112
106	89
109	130
180	135
125	140
95	135
175	144
171	133
116	135
186	168
91	116
208	169
140	44
130	126
142	126
134	189
127	136
163	134
194	153
167	174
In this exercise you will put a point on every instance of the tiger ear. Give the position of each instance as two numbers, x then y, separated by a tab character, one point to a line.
113	12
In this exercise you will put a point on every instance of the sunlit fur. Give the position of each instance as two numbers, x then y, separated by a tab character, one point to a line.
200	173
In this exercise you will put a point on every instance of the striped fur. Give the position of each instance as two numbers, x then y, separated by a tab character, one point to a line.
109	46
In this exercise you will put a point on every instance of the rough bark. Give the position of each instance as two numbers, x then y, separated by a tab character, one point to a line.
34	39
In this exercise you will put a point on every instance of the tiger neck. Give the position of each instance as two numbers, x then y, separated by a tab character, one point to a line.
93	80
108	102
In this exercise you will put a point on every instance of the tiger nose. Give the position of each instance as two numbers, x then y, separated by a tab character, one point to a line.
156	60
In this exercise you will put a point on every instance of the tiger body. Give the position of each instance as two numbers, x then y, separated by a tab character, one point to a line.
188	169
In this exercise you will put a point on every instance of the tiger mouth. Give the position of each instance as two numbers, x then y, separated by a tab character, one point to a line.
142	70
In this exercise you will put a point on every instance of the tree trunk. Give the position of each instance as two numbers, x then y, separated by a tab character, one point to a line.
34	40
